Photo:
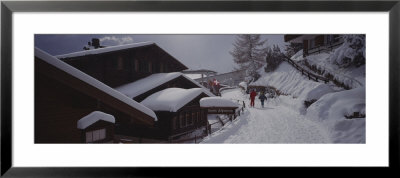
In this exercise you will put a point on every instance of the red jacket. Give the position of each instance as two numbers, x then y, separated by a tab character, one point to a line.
253	95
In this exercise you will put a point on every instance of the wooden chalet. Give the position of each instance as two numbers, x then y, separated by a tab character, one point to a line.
178	111
65	96
315	43
119	65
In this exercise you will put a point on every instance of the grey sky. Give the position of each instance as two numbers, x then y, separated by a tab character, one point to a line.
195	51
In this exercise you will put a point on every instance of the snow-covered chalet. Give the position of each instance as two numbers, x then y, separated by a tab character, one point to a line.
315	43
107	95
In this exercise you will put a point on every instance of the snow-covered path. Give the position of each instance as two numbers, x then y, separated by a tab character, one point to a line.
275	123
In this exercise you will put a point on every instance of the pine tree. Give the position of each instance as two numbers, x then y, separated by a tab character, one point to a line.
274	58
249	53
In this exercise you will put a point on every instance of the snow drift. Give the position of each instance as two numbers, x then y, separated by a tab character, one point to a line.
331	110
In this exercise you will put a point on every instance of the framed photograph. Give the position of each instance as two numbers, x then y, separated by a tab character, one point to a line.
103	88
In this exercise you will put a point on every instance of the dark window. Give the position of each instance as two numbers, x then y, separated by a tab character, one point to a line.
194	118
136	65
156	67
143	66
120	63
95	135
189	120
198	117
176	122
166	68
150	67
182	120
161	67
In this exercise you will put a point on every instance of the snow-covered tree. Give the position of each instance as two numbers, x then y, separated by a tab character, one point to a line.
293	48
274	58
351	52
249	54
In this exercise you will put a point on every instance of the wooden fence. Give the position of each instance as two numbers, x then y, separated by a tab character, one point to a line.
311	76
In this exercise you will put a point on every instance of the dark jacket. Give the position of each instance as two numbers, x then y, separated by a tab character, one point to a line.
262	97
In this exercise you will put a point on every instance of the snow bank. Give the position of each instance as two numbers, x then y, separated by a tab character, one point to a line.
93	118
243	84
143	85
331	110
92	81
290	81
193	76
171	99
104	50
216	102
298	56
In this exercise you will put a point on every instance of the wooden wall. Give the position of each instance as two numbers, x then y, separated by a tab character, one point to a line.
61	100
57	111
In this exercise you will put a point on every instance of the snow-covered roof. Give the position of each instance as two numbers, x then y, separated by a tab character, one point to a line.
216	102
243	84
104	50
92	81
93	117
143	85
171	99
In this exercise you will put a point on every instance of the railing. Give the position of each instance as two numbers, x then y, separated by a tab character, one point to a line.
332	75
322	48
311	76
231	118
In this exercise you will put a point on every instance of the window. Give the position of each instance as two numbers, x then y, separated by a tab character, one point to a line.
189	120
150	68
166	68
95	135
156	67
175	122
182	120
143	66
136	65
120	63
194	118
161	67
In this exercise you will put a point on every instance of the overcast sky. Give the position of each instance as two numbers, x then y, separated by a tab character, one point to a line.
195	51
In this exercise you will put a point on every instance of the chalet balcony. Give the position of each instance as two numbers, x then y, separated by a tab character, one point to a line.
326	47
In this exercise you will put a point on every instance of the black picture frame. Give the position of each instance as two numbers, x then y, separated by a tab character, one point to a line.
8	7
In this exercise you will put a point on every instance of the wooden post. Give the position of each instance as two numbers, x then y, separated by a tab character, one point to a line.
244	105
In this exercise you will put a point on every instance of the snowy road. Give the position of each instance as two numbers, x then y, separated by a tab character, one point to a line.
276	123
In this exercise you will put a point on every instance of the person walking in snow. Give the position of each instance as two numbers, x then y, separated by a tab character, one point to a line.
262	97
253	95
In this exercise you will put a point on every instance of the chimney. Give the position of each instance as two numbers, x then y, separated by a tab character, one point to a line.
95	43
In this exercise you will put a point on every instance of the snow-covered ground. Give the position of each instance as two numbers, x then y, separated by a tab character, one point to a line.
275	123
